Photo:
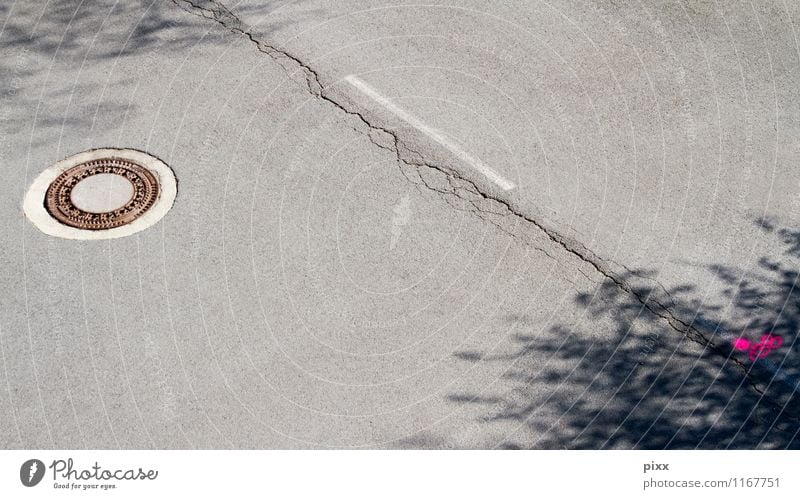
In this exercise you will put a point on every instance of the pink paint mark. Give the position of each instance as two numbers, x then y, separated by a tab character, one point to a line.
768	343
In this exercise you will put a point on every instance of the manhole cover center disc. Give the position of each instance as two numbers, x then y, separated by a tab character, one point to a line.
77	198
102	193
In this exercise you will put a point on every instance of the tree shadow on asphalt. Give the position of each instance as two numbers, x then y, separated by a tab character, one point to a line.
74	30
83	35
651	387
36	36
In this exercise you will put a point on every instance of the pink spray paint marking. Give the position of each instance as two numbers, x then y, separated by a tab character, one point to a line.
769	342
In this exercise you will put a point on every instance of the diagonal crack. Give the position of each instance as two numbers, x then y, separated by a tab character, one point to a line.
462	189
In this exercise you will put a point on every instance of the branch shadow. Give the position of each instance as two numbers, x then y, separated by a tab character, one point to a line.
727	383
84	37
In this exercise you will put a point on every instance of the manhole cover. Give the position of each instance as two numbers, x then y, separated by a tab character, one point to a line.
65	209
101	194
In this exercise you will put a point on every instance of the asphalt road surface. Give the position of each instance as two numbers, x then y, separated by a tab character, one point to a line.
522	224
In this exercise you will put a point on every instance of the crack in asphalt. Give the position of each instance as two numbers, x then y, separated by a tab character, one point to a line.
216	11
462	188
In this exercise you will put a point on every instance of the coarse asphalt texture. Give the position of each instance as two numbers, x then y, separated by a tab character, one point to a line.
557	224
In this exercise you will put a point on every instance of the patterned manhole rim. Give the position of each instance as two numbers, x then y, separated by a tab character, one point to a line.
49	204
61	206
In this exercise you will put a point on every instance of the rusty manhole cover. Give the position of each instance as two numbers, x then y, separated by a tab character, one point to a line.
101	194
61	205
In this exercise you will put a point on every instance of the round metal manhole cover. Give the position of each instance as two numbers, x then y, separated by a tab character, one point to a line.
65	209
101	194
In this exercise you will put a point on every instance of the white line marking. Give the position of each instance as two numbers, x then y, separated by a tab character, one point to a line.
412	120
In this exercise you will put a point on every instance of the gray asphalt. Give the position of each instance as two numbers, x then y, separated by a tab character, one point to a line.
335	275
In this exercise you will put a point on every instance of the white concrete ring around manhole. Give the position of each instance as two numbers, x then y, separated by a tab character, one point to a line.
159	191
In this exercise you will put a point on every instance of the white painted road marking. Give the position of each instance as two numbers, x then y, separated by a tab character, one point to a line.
412	120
